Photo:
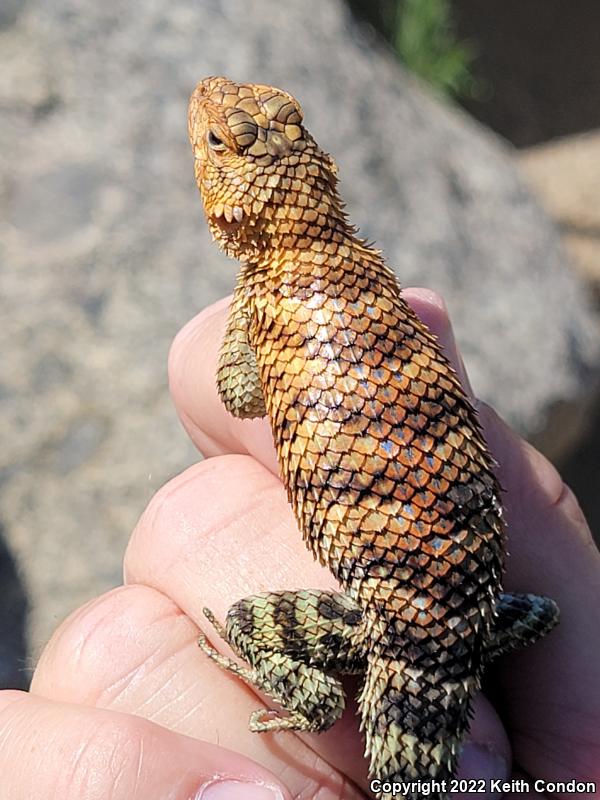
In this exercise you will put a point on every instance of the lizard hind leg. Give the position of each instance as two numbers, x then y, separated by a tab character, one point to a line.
312	700
296	645
521	619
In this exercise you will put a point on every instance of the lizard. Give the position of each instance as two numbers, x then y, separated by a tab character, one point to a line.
379	449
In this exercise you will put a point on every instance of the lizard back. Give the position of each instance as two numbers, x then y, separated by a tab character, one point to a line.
379	448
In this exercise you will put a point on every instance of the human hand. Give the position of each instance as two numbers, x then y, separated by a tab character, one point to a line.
222	530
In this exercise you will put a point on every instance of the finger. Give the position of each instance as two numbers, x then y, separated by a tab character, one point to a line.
193	365
52	749
133	650
553	695
188	549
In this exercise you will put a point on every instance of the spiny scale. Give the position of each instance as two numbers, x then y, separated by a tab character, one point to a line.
380	452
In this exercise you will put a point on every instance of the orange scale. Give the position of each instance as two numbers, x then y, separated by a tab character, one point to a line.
332	398
330	350
372	358
447	386
407	328
402	491
418	387
418	478
302	314
373	312
377	373
423	360
346	384
368	298
409	456
353	403
367	341
380	430
455	557
340	479
292	414
439	569
443	526
424	499
360	481
320	477
374	465
436	545
380	329
417	422
460	460
309	330
422	581
355	426
443	451
340	443
321	315
450	472
436	632
410	401
429	516
386	347
411	370
328	378
317	443
385	303
332	414
366	390
366	445
429	376
421	527
383	487
299	380
373	521
400	435
387	394
372	409
360	324
310	396
426	443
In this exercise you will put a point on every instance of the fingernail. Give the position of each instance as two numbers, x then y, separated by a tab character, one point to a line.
237	790
482	763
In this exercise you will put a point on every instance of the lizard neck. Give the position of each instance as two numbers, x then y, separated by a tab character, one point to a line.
299	216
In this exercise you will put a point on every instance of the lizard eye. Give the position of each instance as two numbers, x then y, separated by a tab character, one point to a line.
214	141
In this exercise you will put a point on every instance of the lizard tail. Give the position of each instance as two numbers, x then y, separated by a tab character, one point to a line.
414	723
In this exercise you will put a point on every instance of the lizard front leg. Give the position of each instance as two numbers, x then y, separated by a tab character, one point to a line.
297	645
238	380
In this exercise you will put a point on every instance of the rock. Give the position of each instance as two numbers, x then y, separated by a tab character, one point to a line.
566	176
106	255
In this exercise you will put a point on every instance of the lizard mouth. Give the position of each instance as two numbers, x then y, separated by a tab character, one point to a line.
224	213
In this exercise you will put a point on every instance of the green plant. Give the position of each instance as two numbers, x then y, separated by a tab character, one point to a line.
424	37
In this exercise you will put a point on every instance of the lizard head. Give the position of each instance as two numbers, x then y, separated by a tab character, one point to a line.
260	173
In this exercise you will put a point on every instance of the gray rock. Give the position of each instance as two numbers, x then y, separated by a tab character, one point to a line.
105	255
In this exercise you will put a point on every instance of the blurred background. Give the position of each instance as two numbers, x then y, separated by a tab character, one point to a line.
468	138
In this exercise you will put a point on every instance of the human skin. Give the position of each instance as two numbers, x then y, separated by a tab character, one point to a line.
124	705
